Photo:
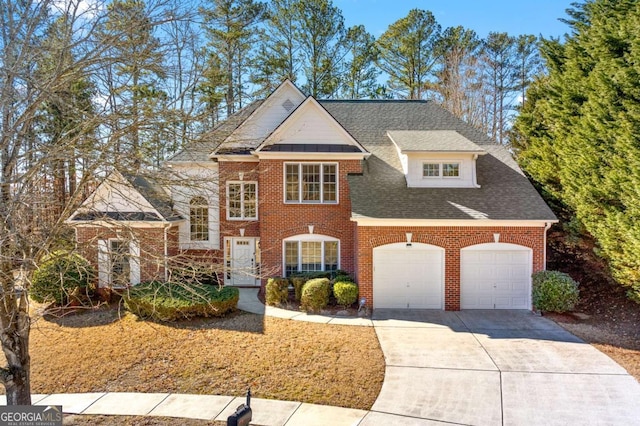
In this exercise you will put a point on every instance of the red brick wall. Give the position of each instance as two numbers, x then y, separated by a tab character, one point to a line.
279	220
151	242
452	239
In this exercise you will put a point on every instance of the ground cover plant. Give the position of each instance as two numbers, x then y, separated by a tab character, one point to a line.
99	351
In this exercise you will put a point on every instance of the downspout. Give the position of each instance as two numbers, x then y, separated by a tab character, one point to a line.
544	251
474	177
166	251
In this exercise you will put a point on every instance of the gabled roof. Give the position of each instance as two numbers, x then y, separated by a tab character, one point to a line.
293	131
126	197
381	191
199	150
448	141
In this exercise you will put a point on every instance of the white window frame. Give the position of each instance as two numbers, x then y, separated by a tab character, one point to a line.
199	206
105	269
441	169
309	238
242	183
300	183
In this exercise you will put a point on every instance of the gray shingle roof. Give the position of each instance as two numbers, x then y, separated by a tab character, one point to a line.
200	149
433	141
381	191
154	194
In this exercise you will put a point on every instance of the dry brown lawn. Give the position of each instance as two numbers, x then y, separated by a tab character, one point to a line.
106	350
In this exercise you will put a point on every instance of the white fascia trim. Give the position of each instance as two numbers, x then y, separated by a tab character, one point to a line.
451	222
236	158
121	224
204	164
302	156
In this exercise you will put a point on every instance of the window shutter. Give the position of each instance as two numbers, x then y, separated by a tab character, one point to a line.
134	262
103	263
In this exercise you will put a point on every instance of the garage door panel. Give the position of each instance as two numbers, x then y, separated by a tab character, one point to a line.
495	279
408	277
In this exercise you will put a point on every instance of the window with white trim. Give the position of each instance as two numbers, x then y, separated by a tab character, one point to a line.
437	170
198	219
310	253
242	200
314	183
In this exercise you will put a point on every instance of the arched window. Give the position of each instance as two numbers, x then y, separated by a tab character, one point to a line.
310	253
199	219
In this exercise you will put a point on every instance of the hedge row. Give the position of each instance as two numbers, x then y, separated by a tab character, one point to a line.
313	290
170	302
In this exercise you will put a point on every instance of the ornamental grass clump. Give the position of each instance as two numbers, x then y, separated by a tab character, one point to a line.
315	295
345	292
554	291
277	291
164	301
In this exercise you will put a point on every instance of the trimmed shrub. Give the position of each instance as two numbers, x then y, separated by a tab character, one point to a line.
171	302
345	292
59	275
343	278
298	283
277	291
554	291
315	294
194	274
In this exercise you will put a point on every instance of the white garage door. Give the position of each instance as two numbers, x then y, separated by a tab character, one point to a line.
495	276
408	277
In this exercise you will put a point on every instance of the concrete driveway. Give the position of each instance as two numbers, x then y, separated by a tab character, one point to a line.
495	368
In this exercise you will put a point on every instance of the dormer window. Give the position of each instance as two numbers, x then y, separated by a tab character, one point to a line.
437	170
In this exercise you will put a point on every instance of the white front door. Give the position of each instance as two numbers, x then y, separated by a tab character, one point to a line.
243	262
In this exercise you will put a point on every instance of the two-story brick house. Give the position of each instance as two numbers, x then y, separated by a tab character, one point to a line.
424	210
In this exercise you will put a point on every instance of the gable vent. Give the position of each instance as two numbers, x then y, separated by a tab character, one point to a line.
288	105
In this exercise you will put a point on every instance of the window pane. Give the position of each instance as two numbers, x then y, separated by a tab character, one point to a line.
329	180
451	170
310	182
250	201
234	200
311	256
330	255
431	170
293	183
199	219
291	257
120	266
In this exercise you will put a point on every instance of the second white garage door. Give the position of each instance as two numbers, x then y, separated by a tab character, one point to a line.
408	277
495	276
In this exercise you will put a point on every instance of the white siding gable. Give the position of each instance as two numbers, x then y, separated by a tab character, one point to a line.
197	180
116	194
414	170
311	124
275	109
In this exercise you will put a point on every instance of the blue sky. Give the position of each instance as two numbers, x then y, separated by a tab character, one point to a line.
512	16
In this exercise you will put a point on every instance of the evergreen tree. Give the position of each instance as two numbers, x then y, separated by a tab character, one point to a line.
231	29
457	76
278	56
578	132
361	74
321	38
408	53
133	78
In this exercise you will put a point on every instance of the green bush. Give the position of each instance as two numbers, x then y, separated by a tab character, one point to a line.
554	291
194	273
298	283
277	291
171	302
59	275
345	292
315	294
